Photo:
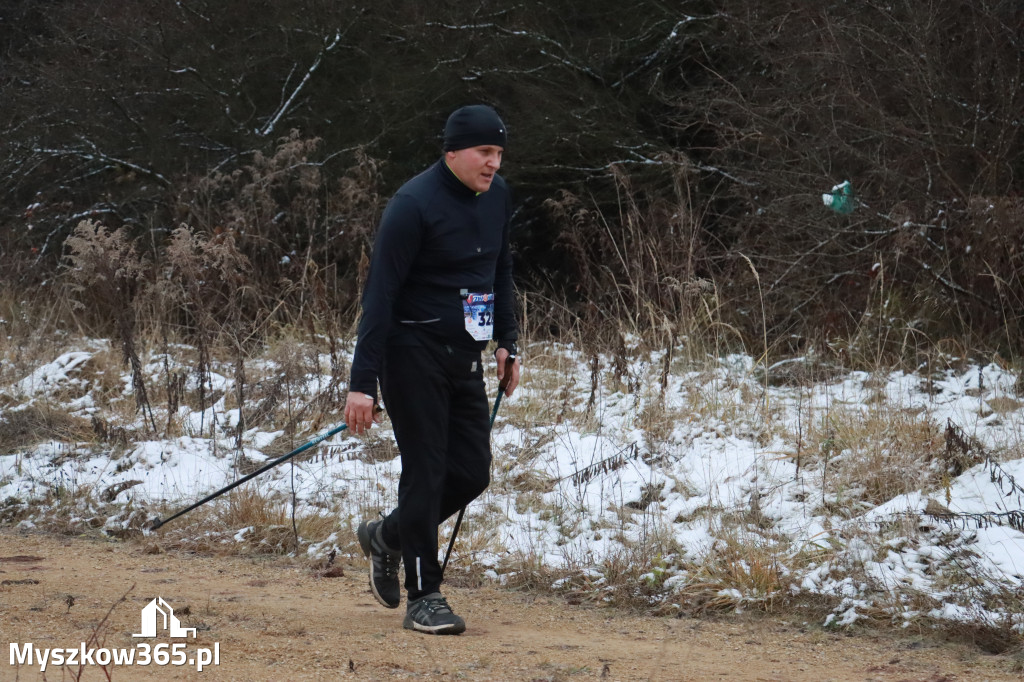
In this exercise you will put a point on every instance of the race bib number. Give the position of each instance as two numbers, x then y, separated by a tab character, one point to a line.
478	310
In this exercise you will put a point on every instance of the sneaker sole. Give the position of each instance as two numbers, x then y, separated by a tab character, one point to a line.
363	533
447	629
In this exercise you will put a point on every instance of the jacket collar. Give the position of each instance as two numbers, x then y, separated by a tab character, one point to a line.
451	180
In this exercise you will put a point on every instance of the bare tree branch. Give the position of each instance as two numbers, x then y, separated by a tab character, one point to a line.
97	155
269	127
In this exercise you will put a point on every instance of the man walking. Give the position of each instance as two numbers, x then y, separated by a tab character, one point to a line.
439	288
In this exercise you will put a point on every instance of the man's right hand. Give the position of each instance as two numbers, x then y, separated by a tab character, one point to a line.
359	413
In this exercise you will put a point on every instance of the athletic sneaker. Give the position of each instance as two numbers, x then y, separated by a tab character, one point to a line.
384	563
432	614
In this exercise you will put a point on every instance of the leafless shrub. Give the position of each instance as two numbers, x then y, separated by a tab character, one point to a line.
303	232
284	398
106	274
665	149
640	267
914	105
208	285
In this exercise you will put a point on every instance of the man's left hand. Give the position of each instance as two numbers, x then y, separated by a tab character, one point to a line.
359	412
504	365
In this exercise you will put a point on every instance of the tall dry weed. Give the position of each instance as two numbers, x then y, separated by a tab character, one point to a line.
303	231
208	287
643	270
106	274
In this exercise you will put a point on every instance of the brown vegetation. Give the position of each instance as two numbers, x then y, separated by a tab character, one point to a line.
668	160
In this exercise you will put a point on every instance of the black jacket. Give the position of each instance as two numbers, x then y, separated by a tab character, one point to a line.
436	238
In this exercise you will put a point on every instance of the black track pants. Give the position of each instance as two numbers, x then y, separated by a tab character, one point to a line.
435	398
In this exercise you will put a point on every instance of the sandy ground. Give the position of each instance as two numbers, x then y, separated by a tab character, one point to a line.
275	620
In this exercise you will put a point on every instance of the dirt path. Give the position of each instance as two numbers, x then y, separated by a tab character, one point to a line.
275	621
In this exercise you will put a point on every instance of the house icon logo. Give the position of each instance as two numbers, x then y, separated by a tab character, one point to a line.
159	611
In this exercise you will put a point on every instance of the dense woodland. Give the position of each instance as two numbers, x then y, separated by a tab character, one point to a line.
668	161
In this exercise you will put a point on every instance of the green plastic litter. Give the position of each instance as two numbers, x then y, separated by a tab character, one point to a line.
841	199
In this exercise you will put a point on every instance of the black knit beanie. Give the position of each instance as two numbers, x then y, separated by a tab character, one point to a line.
473	126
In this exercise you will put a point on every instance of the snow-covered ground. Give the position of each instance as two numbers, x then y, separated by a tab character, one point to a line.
718	460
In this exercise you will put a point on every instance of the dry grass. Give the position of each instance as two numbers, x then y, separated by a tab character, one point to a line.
741	569
246	520
863	455
22	429
873	455
33	329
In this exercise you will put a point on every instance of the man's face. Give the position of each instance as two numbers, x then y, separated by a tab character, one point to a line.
475	166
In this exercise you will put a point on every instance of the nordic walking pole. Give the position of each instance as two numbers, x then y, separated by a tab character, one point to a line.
266	467
509	364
